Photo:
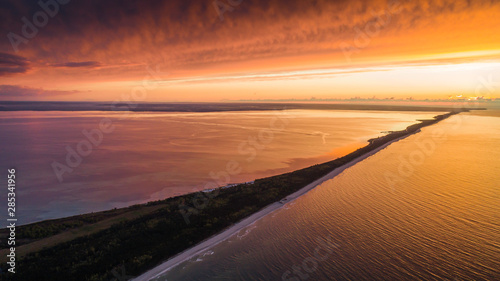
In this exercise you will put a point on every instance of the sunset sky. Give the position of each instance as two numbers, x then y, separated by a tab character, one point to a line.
181	50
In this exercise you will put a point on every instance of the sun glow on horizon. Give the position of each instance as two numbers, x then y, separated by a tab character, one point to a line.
418	80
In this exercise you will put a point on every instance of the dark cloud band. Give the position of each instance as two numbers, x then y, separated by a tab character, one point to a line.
13	92
12	64
89	64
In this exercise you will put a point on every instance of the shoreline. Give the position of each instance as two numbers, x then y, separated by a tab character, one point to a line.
234	209
6	106
230	231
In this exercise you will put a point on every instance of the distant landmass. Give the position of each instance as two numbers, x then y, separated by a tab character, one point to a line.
210	107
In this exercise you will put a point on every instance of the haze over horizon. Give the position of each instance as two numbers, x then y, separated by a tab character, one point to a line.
248	49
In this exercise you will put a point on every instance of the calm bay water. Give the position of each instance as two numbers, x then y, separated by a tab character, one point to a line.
151	156
424	208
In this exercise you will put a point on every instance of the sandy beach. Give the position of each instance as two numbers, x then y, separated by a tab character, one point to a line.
227	233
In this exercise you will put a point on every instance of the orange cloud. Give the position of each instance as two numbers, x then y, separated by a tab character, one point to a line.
108	42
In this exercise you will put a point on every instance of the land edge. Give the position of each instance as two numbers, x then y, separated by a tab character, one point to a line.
237	227
374	146
228	232
123	107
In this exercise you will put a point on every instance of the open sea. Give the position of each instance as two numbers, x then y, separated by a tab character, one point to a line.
71	163
425	208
